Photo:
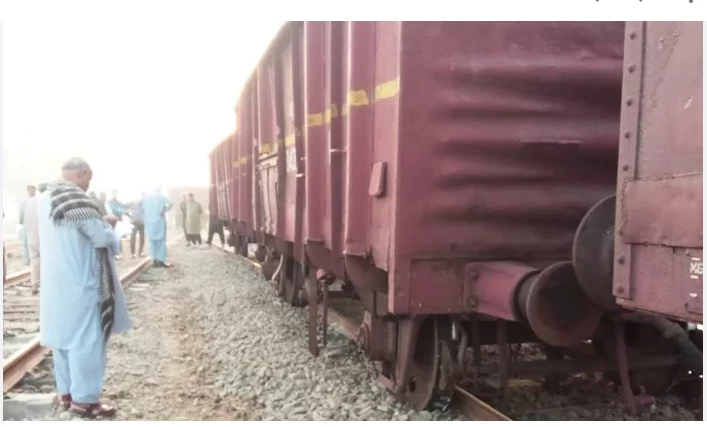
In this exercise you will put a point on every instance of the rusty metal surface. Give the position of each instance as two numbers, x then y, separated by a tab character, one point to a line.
438	143
501	137
491	287
658	255
326	142
24	360
557	309
243	160
268	150
477	409
593	253
651	223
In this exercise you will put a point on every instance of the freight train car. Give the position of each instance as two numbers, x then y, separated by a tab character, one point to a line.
446	174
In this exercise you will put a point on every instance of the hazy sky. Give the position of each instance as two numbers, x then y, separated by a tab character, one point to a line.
143	94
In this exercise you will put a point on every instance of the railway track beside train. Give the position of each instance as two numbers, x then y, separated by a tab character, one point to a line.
465	402
583	395
21	321
17	278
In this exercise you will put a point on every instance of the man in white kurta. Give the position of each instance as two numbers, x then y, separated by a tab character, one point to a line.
70	301
32	233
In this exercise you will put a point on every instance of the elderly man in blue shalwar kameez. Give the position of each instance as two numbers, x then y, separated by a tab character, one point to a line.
82	302
155	206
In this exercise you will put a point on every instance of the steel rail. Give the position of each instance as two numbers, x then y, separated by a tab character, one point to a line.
28	357
17	278
470	405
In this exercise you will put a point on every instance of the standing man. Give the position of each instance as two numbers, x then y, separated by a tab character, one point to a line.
32	233
82	303
215	227
117	209
156	206
138	220
193	220
31	191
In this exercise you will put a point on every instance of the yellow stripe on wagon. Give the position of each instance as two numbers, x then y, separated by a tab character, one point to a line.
354	98
387	90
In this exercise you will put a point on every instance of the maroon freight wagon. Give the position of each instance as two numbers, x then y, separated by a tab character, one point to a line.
444	172
213	184
221	164
658	261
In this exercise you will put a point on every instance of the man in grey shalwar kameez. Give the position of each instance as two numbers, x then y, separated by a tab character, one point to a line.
82	302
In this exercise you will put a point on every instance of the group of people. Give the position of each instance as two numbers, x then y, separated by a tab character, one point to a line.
134	211
73	244
190	217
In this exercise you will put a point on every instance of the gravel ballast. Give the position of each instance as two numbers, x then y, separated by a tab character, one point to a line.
212	341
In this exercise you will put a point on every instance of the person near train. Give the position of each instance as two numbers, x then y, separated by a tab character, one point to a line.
156	206
215	227
137	217
81	302
31	192
31	222
117	209
192	226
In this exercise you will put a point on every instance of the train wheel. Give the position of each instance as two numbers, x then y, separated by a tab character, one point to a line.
269	266
260	254
432	374
294	280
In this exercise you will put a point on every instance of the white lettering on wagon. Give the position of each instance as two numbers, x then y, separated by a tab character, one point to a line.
696	268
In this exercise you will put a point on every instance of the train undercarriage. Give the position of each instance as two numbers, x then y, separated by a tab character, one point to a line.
423	358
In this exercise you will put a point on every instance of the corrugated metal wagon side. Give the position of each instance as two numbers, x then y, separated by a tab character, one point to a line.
243	170
222	185
459	177
658	255
481	147
213	183
325	70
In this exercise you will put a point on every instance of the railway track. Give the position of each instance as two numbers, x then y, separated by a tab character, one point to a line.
26	358
24	309
17	278
464	401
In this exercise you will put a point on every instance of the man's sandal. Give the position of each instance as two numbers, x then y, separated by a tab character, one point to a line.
92	410
64	401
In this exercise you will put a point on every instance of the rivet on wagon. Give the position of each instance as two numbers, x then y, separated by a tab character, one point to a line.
629	101
620	289
473	274
632	35
473	302
627	134
631	68
622	259
624	167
